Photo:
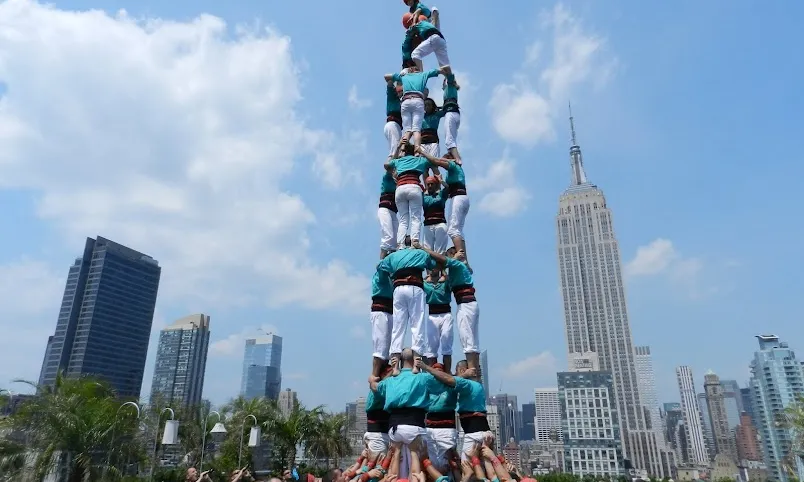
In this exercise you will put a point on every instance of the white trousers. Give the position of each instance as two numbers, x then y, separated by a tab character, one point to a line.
376	442
410	309
432	149
457	215
469	441
441	441
412	114
389	226
439	331
433	44
405	434
382	325
435	237
409	200
469	326
393	132
453	123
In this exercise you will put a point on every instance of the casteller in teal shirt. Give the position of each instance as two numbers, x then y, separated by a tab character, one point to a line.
423	8
446	401
393	106
381	286
455	174
374	401
406	259
388	183
458	273
438	201
431	121
471	397
407	390
415	81
450	91
437	293
410	164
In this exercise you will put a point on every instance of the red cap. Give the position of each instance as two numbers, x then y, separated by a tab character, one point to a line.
438	366
407	20
431	179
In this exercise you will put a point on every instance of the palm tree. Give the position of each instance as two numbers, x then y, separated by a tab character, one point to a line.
329	439
288	432
793	418
73	426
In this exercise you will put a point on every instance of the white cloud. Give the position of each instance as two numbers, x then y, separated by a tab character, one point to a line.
175	139
660	258
524	111
542	364
502	195
233	345
355	101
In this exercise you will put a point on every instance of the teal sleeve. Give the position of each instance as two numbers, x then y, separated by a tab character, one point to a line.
397	77
452	168
434	386
433	73
461	385
430	263
381	389
428	289
441	113
384	266
451	262
443	195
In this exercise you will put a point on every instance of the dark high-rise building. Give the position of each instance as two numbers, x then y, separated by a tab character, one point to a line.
181	360
262	367
105	319
528	430
510	417
746	395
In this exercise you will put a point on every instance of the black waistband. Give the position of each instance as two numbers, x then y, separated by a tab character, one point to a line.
464	294
430	33
439	309
457	190
407	416
429	136
441	416
377	421
409	277
434	215
383	304
394	117
412	95
474	423
388	201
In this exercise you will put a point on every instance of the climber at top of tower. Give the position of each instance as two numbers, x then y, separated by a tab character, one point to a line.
432	41
418	8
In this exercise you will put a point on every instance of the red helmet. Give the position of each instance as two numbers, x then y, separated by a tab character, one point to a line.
407	20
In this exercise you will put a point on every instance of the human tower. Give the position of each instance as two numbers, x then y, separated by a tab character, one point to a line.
414	401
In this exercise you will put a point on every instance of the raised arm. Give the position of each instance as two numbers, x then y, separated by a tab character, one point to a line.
442	377
439	258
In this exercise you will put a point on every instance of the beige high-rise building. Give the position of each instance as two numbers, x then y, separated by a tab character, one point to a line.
698	455
287	401
595	309
722	435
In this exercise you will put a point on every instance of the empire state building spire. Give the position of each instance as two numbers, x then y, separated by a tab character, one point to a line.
576	158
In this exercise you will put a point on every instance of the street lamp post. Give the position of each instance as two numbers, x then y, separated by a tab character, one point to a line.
169	438
114	424
204	437
253	438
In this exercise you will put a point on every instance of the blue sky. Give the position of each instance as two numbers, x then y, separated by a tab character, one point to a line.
222	139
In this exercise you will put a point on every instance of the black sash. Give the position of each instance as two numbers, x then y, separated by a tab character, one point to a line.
377	421
439	309
409	277
407	416
464	294
382	304
474	422
388	201
457	190
429	136
440	420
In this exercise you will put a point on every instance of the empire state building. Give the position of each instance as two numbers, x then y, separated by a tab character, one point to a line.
595	311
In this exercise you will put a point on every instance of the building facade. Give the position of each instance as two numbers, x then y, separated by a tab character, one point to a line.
709	434
104	323
675	431
595	308
724	437
356	424
693	419
262	367
592	444
547	422
733	401
510	417
527	430
776	381
484	372
646	383
287	401
748	440
181	360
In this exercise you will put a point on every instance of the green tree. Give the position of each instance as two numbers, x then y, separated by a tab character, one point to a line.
74	427
288	432
329	441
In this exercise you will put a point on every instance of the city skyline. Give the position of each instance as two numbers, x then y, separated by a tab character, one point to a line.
181	362
200	211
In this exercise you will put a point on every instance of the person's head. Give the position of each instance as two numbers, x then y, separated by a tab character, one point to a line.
435	273
409	2
408	358
432	185
450	253
438	366
333	475
461	368
429	106
407	20
192	475
409	149
288	475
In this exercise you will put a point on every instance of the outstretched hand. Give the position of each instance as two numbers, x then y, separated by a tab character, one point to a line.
470	372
